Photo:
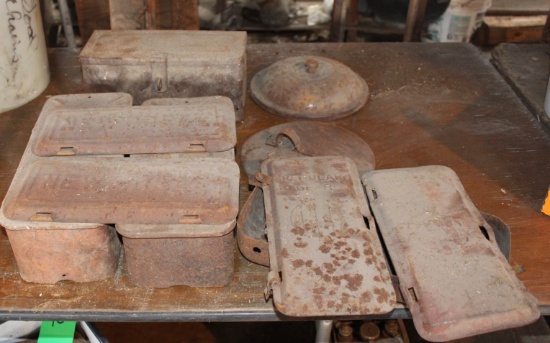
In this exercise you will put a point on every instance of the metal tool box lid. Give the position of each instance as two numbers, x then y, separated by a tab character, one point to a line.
130	47
324	260
305	138
453	277
125	191
175	230
33	225
309	87
137	129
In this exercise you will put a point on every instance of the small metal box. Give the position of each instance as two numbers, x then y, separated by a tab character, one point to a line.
324	259
167	64
454	279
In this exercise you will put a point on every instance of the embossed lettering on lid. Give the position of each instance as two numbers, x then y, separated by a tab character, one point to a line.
324	259
138	129
126	191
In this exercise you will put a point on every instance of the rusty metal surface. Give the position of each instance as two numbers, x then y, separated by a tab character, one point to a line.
455	281
97	100
309	87
137	130
165	262
168	64
125	190
251	229
56	254
175	230
301	138
324	259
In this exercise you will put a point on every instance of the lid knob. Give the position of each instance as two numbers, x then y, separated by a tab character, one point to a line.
311	65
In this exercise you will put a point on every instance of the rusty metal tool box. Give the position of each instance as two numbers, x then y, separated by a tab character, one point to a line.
48	252
324	259
168	64
160	199
452	275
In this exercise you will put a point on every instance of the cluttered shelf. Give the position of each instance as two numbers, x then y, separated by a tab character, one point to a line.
440	104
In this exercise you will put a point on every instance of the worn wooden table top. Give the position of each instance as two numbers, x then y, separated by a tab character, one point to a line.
430	104
526	68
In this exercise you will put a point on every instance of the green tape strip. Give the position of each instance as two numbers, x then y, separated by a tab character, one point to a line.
57	332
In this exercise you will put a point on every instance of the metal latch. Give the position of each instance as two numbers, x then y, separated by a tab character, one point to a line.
159	73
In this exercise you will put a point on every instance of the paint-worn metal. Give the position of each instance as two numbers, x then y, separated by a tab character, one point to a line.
48	252
168	64
455	280
157	195
303	138
309	87
160	256
324	259
52	252
206	127
125	190
251	229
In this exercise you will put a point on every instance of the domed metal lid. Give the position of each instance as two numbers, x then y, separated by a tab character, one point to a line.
309	87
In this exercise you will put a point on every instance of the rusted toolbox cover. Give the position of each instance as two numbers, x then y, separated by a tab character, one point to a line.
125	191
302	138
455	280
135	130
324	260
181	47
175	230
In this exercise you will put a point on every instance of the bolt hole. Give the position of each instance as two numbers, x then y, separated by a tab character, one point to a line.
186	101
484	232
374	194
257	250
281	276
64	275
126	155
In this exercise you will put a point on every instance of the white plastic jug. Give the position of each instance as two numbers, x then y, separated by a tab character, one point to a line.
24	71
459	21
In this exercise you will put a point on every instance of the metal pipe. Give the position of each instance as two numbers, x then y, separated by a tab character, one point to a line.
67	23
324	328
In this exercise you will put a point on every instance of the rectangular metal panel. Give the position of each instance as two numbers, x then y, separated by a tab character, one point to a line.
455	280
165	262
124	190
137	130
324	260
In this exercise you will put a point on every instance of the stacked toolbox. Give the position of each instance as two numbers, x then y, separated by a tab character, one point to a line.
164	175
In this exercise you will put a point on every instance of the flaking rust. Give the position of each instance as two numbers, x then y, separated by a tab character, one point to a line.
302	138
309	87
168	64
324	259
452	275
175	207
